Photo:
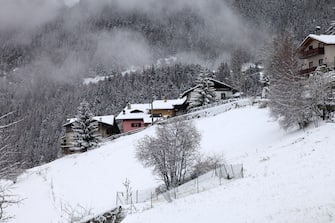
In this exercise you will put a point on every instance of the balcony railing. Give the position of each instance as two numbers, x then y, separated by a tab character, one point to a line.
307	71
311	52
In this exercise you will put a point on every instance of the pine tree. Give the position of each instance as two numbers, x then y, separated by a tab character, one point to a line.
205	91
223	73
85	129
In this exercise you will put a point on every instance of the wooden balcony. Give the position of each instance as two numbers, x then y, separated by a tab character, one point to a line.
307	71
312	52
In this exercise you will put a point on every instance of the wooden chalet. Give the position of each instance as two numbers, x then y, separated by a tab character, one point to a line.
222	91
106	127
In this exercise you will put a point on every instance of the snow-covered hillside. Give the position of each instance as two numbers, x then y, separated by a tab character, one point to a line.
288	176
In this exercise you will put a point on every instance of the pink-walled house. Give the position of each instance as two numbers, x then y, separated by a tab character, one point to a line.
134	116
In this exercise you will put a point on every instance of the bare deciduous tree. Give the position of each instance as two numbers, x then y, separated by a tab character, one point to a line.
172	152
9	167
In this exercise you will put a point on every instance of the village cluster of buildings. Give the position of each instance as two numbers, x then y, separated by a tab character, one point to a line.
137	116
314	51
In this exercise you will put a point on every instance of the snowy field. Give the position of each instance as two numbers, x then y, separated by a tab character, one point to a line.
288	176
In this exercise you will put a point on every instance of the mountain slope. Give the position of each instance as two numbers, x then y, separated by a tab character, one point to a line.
288	176
290	179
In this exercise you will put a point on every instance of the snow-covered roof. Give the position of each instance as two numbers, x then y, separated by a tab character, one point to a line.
327	39
106	119
168	104
134	111
247	66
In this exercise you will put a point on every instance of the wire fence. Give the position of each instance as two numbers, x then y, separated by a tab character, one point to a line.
218	176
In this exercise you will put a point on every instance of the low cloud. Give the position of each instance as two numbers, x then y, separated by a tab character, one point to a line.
122	48
24	14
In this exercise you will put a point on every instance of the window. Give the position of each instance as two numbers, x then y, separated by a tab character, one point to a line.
310	64
310	47
321	62
157	115
135	125
223	95
321	45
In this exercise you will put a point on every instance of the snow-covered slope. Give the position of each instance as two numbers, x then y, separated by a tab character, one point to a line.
288	176
89	180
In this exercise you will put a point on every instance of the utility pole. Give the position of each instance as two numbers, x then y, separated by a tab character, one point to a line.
152	92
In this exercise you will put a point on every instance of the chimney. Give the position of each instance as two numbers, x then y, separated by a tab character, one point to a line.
128	106
165	100
317	30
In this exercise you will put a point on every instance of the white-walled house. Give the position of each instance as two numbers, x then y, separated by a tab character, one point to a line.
317	50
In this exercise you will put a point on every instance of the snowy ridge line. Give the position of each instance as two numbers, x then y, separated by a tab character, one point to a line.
212	110
221	175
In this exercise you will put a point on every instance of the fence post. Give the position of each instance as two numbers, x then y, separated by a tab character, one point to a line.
136	196
214	171
151	199
227	173
197	184
232	170
131	205
242	171
116	201
220	180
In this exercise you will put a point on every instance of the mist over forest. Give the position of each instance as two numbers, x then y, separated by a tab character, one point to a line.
47	47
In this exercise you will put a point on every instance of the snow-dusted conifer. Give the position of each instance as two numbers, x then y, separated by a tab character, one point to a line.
204	93
85	129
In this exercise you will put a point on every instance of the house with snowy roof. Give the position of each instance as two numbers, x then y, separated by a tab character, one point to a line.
168	107
222	91
317	50
134	116
107	126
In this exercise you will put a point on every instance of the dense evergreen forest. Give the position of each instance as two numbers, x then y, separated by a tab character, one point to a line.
42	68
